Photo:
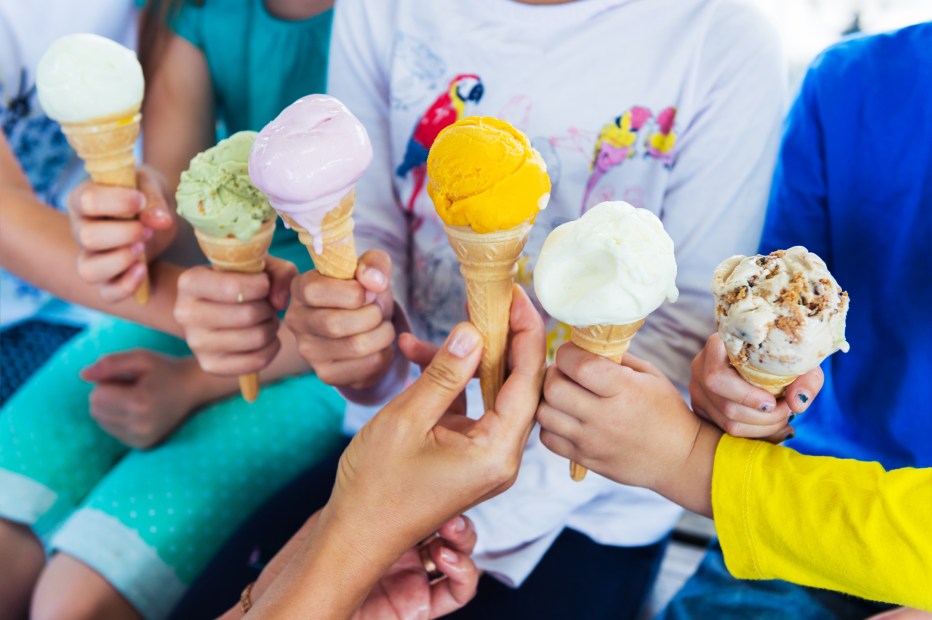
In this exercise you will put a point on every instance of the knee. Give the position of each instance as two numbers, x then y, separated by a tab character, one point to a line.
70	590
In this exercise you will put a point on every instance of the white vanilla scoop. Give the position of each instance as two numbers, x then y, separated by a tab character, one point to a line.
613	266
782	313
83	77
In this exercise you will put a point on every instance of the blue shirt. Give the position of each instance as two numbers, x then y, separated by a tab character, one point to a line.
853	184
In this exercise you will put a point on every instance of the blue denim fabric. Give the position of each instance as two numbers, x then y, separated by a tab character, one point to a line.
713	594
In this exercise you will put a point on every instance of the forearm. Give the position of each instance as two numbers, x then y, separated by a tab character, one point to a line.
691	485
838	524
37	246
329	576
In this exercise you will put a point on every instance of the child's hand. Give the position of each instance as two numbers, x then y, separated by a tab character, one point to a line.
344	327
720	395
110	243
626	422
229	319
142	396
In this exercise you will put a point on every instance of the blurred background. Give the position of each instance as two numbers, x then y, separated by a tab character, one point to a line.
809	26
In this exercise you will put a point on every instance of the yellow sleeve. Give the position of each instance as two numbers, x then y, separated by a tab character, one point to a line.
830	523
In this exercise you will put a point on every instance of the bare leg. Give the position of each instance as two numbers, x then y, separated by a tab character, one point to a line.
69	589
21	561
903	613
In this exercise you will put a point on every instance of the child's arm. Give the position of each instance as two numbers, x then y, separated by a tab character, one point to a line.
178	122
141	397
823	522
38	247
830	523
349	336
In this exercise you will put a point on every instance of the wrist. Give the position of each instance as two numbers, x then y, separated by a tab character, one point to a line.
200	387
688	482
330	576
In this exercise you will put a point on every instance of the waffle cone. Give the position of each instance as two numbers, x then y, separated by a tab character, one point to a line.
775	384
230	254
488	262
608	341
106	146
338	258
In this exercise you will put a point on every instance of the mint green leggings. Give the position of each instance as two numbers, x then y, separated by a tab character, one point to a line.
149	520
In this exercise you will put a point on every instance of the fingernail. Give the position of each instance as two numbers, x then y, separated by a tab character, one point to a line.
370	297
791	418
463	341
137	249
803	397
766	407
240	298
459	524
448	556
147	233
377	276
161	214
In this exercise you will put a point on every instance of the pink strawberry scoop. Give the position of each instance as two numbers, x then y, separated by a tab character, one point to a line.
308	158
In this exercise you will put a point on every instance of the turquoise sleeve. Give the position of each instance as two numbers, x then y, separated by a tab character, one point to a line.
188	24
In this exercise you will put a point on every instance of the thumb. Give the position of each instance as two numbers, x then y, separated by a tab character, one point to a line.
157	214
445	377
417	351
800	393
125	366
374	273
281	273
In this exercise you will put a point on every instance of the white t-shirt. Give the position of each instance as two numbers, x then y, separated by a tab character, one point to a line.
26	31
671	105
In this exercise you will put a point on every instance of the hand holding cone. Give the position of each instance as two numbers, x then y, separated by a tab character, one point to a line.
232	220
487	184
603	274
93	87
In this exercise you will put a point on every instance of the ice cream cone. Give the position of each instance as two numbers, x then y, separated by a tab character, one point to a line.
488	262
230	254
337	258
775	384
608	341
106	146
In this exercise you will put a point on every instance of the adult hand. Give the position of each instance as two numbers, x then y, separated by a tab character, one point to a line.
140	396
344	327
441	462
414	466
720	395
404	591
229	319
115	226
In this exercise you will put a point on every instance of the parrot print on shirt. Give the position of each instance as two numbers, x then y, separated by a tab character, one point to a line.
446	110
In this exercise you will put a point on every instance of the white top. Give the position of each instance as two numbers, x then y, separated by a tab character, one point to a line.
27	29
671	105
